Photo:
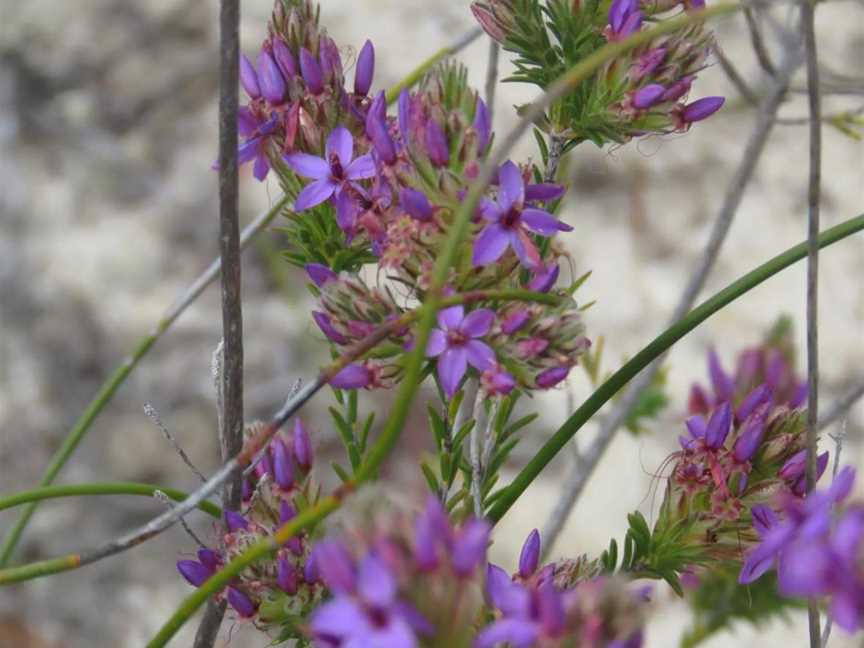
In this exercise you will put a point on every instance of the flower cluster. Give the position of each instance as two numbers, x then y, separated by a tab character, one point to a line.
744	446
641	92
273	589
814	555
396	584
538	608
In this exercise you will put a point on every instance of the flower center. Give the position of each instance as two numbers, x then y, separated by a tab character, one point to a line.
512	217
336	167
456	338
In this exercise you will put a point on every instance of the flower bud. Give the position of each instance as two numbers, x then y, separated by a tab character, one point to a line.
718	426
241	603
320	274
311	71
530	556
551	377
270	79
283	469
194	572
436	144
235	522
365	69
701	109
249	78
302	445
354	376
284	58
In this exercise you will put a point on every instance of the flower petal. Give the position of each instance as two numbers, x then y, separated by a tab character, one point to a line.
341	617
480	355
314	194
247	151
517	632
308	166
543	192
437	343
525	249
452	365
509	597
542	222
341	144
262	167
512	186
361	168
490	245
375	583
477	323
450	318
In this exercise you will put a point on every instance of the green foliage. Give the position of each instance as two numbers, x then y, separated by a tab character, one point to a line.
719	601
662	554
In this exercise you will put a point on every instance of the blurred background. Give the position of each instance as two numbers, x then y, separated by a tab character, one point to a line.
108	211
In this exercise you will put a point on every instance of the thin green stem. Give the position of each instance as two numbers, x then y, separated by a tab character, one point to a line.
657	347
116	488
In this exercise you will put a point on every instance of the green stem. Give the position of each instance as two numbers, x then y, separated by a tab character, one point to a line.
655	349
119	488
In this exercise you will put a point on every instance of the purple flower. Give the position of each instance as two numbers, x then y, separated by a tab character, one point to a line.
331	172
790	541
284	58
415	203
544	278
283	468
235	522
757	398
210	559
242	604
377	130
718	426
511	222
311	71
497	382
354	376
286	577
287	512
724	386
302	445
270	79
249	78
529	558
550	377
701	109
530	613
436	144
625	18
751	436
320	274
325	324
515	321
648	96
543	192
469	546
365	69
482	125
457	345
194	572
371	614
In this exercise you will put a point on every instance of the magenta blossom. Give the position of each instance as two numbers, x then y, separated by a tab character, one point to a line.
332	172
365	610
511	222
455	344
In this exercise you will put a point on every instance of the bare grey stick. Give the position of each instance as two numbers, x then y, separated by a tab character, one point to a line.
577	479
842	405
153	415
492	77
